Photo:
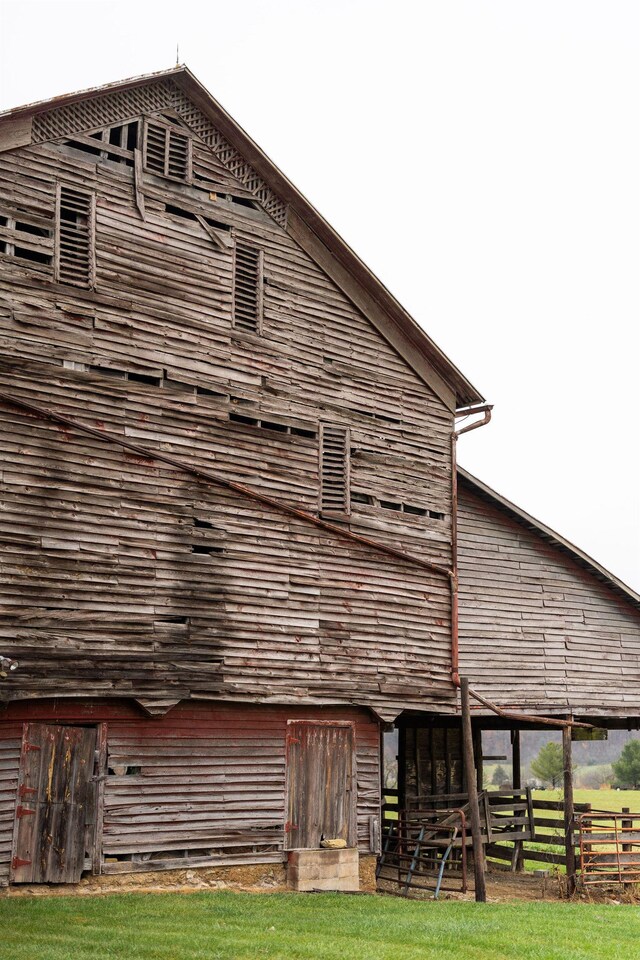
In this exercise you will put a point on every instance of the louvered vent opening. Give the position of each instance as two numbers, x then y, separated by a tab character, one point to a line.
74	237
334	497
178	160
247	292
166	151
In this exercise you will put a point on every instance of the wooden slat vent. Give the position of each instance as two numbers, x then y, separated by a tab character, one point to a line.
247	288
74	239
334	468
167	151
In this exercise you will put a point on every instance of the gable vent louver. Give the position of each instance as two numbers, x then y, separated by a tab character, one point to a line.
334	468
166	151
247	288
74	222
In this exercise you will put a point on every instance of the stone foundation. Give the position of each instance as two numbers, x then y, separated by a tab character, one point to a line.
323	870
254	877
257	878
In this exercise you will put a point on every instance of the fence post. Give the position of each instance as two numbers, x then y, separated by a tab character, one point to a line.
570	850
626	825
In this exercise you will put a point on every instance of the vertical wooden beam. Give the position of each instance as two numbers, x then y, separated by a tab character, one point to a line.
568	811
477	750
432	758
402	768
516	763
517	861
472	790
101	773
418	765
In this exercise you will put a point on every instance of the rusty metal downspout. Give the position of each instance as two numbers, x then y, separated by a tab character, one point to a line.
453	576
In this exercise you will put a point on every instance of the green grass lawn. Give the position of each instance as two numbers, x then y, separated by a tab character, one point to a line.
613	800
229	926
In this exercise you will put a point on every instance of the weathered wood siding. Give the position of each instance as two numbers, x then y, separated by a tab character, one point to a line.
536	630
102	590
203	784
108	582
10	742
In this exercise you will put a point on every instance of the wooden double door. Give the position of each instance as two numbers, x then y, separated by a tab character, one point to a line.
54	827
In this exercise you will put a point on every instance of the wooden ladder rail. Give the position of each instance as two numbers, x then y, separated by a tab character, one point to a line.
414	862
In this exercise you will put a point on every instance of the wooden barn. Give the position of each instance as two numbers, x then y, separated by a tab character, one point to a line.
229	518
227	500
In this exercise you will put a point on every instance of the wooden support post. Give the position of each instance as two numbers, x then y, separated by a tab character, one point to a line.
517	862
568	811
516	765
477	752
472	790
626	825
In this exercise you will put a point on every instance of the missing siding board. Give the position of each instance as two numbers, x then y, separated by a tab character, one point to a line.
180	212
25	239
247	421
75	232
334	470
151	380
376	416
115	143
205	392
167	151
145	378
396	506
270	425
247	288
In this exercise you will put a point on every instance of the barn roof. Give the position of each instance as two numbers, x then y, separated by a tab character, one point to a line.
303	222
550	536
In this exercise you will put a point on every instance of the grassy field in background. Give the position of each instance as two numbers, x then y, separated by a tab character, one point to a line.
228	926
609	800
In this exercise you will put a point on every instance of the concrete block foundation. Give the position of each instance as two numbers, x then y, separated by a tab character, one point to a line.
323	870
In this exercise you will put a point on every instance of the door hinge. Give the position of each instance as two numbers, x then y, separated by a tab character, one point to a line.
23	811
31	746
25	790
17	862
288	827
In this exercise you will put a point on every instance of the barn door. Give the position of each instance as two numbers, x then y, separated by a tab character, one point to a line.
321	788
54	803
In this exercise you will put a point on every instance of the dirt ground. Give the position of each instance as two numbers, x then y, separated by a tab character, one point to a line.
503	885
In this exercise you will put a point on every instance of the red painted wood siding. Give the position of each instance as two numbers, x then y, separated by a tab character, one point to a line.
10	741
205	779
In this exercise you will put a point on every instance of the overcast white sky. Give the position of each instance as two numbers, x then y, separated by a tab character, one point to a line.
482	156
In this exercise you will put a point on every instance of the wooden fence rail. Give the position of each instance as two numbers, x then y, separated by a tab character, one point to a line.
515	825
